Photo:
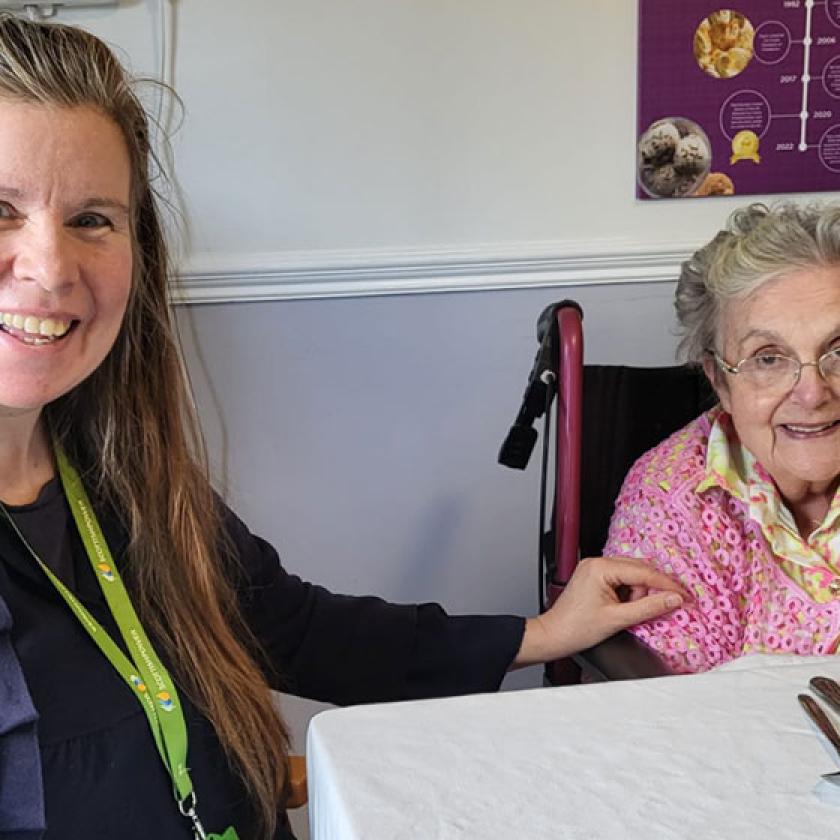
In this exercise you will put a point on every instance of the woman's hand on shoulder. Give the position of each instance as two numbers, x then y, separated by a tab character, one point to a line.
604	595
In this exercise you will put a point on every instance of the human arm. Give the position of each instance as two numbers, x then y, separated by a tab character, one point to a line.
353	649
591	608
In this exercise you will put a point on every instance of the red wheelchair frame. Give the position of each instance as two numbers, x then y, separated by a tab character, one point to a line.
623	417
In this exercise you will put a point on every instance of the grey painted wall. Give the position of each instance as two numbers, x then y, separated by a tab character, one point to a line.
360	436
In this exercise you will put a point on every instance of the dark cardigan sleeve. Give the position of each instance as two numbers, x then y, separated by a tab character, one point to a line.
347	649
21	788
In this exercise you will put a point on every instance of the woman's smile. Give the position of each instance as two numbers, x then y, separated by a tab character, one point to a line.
34	330
809	431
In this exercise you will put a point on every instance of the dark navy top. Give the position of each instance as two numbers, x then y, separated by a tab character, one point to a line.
102	775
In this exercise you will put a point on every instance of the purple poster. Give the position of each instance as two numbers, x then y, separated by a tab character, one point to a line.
738	100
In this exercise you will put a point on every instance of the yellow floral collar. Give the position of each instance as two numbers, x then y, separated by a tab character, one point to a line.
732	467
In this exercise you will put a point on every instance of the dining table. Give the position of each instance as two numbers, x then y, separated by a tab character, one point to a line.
724	754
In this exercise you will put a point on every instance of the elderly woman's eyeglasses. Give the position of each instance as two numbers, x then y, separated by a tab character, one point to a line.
774	372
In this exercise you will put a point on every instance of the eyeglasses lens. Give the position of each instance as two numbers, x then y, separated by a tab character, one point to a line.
769	372
773	372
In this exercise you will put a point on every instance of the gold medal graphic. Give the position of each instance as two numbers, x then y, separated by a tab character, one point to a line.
745	147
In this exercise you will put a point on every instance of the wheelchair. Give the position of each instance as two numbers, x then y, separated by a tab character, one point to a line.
598	419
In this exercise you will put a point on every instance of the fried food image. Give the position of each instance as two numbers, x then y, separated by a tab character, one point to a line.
723	43
715	183
673	157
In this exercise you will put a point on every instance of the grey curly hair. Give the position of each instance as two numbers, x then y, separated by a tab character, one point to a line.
760	243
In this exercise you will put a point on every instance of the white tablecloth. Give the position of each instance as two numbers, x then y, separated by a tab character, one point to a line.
725	755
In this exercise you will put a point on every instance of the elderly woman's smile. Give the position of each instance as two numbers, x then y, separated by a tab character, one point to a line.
791	425
803	431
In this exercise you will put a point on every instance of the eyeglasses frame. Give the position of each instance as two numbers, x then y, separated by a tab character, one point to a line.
734	369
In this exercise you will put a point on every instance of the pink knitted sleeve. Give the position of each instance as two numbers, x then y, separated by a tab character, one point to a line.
659	518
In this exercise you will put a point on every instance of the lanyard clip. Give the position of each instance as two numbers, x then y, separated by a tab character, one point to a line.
187	807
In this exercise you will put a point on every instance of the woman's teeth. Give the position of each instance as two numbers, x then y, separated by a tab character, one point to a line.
34	330
804	430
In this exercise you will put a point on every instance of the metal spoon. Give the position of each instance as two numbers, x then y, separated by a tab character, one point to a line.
826	731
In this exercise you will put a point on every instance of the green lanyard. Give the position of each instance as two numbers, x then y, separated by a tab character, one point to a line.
143	672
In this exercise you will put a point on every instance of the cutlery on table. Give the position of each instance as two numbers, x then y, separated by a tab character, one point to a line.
826	730
828	690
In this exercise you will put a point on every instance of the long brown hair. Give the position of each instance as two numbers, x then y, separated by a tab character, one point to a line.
131	424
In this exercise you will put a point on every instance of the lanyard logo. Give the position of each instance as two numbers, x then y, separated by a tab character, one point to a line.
138	683
105	572
165	701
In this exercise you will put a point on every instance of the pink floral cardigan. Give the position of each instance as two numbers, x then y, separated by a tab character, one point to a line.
700	508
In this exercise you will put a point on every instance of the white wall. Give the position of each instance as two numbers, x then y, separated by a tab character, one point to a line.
321	124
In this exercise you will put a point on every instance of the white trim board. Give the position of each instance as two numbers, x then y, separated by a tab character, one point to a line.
212	278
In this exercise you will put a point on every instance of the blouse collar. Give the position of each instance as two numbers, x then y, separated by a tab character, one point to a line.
733	468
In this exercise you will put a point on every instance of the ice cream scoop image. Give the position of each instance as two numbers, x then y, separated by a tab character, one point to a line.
685	186
691	156
659	141
673	156
664	180
745	147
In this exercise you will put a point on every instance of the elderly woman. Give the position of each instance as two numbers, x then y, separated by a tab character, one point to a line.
141	623
742	505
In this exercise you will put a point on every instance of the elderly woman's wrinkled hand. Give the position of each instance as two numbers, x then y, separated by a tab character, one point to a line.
593	607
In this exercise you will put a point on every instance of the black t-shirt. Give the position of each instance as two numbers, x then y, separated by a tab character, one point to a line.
45	523
102	775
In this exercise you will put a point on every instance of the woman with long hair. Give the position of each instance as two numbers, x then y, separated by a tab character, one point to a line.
142	626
